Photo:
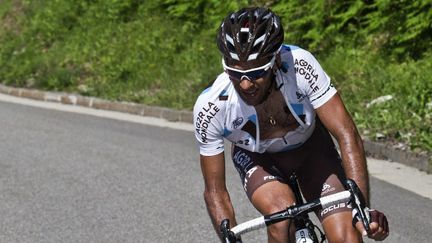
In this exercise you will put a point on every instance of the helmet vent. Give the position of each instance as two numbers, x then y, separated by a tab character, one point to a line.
259	40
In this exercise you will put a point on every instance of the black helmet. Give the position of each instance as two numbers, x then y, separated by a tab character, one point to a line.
250	34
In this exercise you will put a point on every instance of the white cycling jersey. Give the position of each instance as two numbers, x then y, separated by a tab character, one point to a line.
220	113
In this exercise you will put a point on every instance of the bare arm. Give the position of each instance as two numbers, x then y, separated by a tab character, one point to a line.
337	120
216	195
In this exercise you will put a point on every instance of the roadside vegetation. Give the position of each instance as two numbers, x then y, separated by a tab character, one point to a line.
163	52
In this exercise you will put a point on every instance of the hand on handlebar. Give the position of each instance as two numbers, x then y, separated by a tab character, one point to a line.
227	235
369	222
378	225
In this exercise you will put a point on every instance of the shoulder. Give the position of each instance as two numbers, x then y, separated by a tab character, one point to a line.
209	115
211	105
311	78
215	94
301	65
297	54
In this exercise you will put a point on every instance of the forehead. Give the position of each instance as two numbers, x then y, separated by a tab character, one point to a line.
248	64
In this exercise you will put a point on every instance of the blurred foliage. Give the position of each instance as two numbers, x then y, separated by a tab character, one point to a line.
163	52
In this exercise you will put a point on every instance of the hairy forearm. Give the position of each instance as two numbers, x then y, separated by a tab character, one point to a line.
219	207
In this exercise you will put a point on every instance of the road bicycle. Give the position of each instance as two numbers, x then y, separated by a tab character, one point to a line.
306	230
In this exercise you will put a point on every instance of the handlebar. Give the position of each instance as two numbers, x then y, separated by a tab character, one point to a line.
358	202
352	194
291	212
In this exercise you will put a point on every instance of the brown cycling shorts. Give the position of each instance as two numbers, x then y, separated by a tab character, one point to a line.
316	163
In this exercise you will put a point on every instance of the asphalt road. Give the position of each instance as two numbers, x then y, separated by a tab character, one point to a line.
68	177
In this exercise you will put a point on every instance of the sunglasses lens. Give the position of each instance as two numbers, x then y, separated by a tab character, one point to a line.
256	74
234	75
252	75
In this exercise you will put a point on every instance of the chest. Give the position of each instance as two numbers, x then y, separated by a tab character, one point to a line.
275	118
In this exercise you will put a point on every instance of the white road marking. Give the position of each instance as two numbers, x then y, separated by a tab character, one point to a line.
395	173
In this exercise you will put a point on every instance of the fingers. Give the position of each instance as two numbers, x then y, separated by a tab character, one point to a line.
379	229
359	226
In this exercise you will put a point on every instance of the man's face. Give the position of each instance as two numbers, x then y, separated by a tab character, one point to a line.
251	80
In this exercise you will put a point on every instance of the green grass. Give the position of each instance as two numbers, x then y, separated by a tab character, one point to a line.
362	77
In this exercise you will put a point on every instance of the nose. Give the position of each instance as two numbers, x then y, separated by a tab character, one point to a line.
245	83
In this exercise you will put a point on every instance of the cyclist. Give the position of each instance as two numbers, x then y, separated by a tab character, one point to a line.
277	106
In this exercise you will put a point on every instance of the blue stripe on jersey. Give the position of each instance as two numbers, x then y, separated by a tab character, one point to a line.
253	118
223	93
206	90
298	108
290	47
226	132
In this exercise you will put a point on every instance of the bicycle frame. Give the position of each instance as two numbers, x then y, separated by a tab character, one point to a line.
304	227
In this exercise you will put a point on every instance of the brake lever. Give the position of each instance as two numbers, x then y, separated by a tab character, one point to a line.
224	228
359	203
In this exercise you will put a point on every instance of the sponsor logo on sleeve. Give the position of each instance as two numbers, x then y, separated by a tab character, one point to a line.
303	68
203	119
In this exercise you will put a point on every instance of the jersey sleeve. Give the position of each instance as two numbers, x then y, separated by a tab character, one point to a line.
315	81
208	127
